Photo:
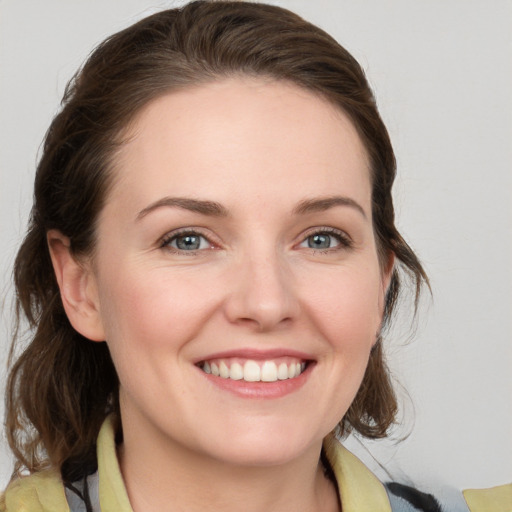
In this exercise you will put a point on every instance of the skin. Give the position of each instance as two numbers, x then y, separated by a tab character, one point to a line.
261	150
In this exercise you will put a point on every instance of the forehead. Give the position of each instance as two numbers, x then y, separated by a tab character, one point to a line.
251	135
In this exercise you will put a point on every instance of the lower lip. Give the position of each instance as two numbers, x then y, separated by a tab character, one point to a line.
260	390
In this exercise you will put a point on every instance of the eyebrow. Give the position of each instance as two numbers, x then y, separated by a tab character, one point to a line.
325	203
210	208
214	209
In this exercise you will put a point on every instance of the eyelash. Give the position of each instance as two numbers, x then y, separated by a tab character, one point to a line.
168	239
345	242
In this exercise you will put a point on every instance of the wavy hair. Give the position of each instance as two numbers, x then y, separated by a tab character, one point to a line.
62	386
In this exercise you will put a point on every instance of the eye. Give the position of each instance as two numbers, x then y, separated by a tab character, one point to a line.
186	241
326	239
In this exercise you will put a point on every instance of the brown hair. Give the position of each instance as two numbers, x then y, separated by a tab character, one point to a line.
62	386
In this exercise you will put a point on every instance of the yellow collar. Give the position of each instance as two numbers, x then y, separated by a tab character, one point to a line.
43	492
359	488
40	492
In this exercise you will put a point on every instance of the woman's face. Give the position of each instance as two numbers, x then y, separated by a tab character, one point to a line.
238	239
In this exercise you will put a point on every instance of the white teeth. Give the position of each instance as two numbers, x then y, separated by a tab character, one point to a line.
282	372
223	370
252	371
269	371
236	372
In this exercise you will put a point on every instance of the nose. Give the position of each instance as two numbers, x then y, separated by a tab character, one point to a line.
262	294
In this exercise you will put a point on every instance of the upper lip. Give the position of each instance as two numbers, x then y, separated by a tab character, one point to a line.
257	354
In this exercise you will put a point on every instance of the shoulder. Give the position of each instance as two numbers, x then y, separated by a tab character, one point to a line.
494	499
361	490
358	487
404	498
40	492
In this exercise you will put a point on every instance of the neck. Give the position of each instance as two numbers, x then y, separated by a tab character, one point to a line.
170	477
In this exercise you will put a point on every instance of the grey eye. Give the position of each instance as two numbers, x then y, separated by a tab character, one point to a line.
320	241
188	242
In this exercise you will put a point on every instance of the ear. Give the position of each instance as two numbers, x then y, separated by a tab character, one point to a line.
386	275
387	272
78	289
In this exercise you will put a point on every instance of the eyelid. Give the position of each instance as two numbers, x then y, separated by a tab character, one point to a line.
345	241
164	242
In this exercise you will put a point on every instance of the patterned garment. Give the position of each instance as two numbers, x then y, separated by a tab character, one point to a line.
408	499
83	496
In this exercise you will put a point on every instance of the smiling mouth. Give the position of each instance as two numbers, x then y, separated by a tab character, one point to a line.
251	370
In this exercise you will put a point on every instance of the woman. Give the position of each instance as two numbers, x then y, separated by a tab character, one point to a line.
210	263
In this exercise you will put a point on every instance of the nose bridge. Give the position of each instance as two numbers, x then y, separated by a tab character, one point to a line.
263	291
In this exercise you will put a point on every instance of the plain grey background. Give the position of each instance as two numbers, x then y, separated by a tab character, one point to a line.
442	74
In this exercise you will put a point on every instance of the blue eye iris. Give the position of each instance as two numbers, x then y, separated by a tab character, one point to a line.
188	242
319	241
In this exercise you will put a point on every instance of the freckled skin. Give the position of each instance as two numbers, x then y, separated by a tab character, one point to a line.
257	148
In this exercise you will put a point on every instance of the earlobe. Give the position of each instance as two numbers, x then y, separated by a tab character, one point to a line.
77	285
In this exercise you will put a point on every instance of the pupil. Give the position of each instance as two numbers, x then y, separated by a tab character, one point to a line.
319	241
188	242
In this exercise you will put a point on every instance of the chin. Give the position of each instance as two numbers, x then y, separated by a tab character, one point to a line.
265	445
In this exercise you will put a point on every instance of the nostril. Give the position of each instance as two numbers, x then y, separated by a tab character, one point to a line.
261	295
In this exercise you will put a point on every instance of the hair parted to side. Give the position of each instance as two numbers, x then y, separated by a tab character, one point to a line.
62	386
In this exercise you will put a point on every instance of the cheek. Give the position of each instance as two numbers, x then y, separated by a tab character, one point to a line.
346	306
152	309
